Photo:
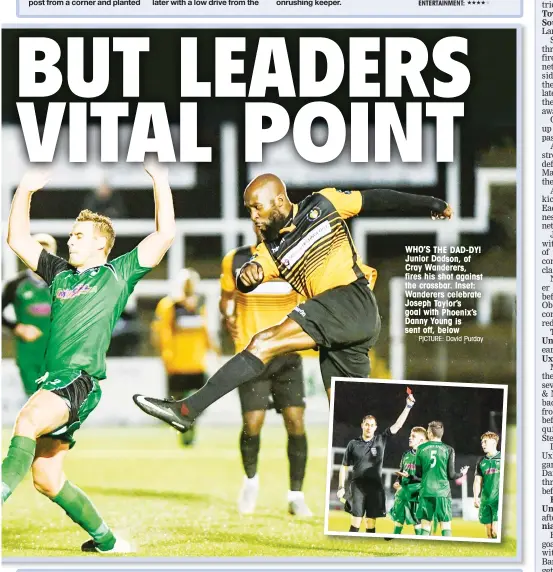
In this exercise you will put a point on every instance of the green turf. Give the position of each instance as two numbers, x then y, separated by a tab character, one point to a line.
177	503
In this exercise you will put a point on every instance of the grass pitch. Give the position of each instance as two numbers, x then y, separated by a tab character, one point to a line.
175	502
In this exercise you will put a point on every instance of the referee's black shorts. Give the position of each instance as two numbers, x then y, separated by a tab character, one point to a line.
345	323
282	380
366	498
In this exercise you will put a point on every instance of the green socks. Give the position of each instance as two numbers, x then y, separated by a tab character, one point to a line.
418	531
446	532
425	532
79	509
398	529
17	463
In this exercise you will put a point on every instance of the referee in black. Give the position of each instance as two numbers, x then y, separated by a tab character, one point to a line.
366	496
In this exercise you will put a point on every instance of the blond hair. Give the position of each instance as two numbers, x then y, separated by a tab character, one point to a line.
420	431
102	224
490	435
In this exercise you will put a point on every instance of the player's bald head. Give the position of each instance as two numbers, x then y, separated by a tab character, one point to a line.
268	204
266	186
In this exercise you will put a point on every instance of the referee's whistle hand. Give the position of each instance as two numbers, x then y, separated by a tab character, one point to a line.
410	401
251	274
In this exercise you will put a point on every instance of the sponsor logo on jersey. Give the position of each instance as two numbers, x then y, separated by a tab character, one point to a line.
410	467
306	243
40	309
78	290
491	471
344	192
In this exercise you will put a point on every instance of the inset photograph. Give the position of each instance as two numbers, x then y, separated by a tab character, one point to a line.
416	459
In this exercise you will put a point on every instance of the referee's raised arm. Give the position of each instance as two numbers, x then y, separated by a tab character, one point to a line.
410	401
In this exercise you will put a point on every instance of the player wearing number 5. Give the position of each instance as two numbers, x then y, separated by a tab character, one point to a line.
366	497
435	465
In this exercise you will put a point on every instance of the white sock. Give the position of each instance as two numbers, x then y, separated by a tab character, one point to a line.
294	495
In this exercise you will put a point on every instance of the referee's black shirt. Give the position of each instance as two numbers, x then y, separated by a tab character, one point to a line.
366	457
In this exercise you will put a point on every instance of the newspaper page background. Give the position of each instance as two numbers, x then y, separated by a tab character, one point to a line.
525	539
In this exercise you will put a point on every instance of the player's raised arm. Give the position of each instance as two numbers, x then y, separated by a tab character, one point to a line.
152	249
19	223
403	415
378	200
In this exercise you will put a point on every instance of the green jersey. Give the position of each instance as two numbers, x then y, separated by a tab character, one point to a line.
489	468
30	297
85	308
435	463
410	485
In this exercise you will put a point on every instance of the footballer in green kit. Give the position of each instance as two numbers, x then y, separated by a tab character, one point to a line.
408	486
435	465
30	298
487	482
87	296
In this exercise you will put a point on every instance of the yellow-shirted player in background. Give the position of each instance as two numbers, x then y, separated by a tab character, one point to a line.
180	333
282	380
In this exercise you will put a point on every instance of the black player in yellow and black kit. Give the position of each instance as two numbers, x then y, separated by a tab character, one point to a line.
309	245
282	380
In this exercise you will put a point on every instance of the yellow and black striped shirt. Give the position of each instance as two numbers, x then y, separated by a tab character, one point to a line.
260	309
315	251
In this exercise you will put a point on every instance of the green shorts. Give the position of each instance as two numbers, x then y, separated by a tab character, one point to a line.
434	508
404	512
80	391
488	512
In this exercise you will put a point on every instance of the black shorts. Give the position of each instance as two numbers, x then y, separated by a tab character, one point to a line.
282	379
366	499
345	323
181	382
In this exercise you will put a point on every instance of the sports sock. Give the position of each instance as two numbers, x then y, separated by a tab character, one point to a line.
353	529
297	459
370	530
398	529
17	463
80	510
446	532
418	531
243	367
249	449
425	532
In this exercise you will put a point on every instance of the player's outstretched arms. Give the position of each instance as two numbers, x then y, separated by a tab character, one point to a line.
378	200
19	223
250	276
410	401
153	248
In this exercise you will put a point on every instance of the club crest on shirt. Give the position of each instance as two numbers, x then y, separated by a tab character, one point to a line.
314	213
374	450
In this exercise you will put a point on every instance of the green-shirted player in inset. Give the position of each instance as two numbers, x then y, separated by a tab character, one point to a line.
408	485
435	465
30	298
88	295
486	483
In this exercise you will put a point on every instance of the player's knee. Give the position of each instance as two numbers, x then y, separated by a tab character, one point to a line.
27	424
262	345
46	483
252	428
295	425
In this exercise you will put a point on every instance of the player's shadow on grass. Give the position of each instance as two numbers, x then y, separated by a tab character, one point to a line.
149	494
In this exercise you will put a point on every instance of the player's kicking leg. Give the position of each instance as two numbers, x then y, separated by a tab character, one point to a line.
245	366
